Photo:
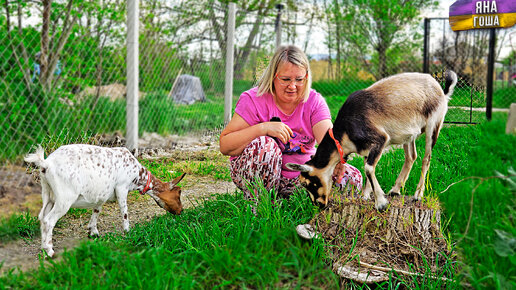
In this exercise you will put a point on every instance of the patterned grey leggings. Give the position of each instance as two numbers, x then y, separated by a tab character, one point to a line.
262	159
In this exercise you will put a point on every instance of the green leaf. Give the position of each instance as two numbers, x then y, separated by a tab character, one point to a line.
505	245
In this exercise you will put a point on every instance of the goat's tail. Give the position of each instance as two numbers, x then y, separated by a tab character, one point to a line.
37	158
450	82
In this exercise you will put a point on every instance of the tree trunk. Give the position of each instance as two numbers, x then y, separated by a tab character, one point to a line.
407	237
338	24
241	58
43	59
21	60
382	59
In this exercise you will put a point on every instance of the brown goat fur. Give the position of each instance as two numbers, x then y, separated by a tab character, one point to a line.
393	111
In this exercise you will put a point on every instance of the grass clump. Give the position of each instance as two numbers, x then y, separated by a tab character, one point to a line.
18	226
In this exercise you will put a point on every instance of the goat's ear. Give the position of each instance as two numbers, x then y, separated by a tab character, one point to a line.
299	167
176	180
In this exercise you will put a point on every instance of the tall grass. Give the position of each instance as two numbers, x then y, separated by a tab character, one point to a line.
221	243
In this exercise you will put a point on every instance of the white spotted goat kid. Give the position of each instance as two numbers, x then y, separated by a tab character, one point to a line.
86	176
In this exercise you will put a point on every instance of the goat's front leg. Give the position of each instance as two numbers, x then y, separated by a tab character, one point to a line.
121	196
375	153
366	193
92	226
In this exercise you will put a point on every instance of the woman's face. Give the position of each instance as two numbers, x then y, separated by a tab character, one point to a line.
289	83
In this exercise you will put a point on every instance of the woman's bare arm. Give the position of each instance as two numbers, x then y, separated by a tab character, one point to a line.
238	134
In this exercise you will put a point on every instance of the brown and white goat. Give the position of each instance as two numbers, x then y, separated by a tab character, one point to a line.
394	110
86	176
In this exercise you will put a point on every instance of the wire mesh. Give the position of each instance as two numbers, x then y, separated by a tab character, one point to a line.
63	66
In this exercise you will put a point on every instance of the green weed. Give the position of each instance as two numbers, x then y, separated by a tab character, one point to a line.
18	226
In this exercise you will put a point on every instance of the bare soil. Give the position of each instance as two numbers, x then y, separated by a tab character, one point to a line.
20	192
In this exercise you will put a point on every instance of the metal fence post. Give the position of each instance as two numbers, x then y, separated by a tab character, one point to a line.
490	72
132	75
278	25
228	90
426	41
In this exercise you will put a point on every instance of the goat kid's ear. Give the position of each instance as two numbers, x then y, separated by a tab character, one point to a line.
299	167
176	180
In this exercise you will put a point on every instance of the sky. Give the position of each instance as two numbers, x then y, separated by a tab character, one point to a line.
442	11
317	46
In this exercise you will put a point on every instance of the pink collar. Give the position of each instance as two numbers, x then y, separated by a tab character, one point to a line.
147	185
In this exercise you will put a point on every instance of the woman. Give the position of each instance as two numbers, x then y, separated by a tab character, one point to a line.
276	123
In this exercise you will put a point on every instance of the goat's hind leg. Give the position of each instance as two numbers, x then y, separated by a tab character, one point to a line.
48	204
60	208
410	157
431	135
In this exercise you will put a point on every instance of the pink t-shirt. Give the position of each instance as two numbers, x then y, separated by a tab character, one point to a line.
255	110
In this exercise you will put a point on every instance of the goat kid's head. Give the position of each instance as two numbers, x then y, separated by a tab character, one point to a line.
169	195
316	180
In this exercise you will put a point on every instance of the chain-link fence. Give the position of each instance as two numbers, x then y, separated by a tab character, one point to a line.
63	63
466	53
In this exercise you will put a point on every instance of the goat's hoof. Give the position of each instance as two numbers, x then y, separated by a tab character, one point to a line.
48	253
413	200
93	235
394	193
382	207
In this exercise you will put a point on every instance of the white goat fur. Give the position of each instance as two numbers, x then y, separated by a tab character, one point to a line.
394	110
86	176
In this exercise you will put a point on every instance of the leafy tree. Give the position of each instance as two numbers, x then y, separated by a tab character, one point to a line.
210	19
378	24
464	53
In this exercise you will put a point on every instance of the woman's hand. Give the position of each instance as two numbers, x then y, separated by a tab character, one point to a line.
339	169
278	130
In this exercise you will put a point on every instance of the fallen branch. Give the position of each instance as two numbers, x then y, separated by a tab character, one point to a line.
482	179
385	269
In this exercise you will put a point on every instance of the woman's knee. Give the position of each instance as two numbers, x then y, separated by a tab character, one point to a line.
261	158
351	178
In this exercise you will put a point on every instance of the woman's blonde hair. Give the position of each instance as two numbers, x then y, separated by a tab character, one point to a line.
285	54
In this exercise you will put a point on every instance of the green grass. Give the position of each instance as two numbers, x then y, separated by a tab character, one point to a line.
222	244
34	117
504	97
209	163
53	123
18	226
